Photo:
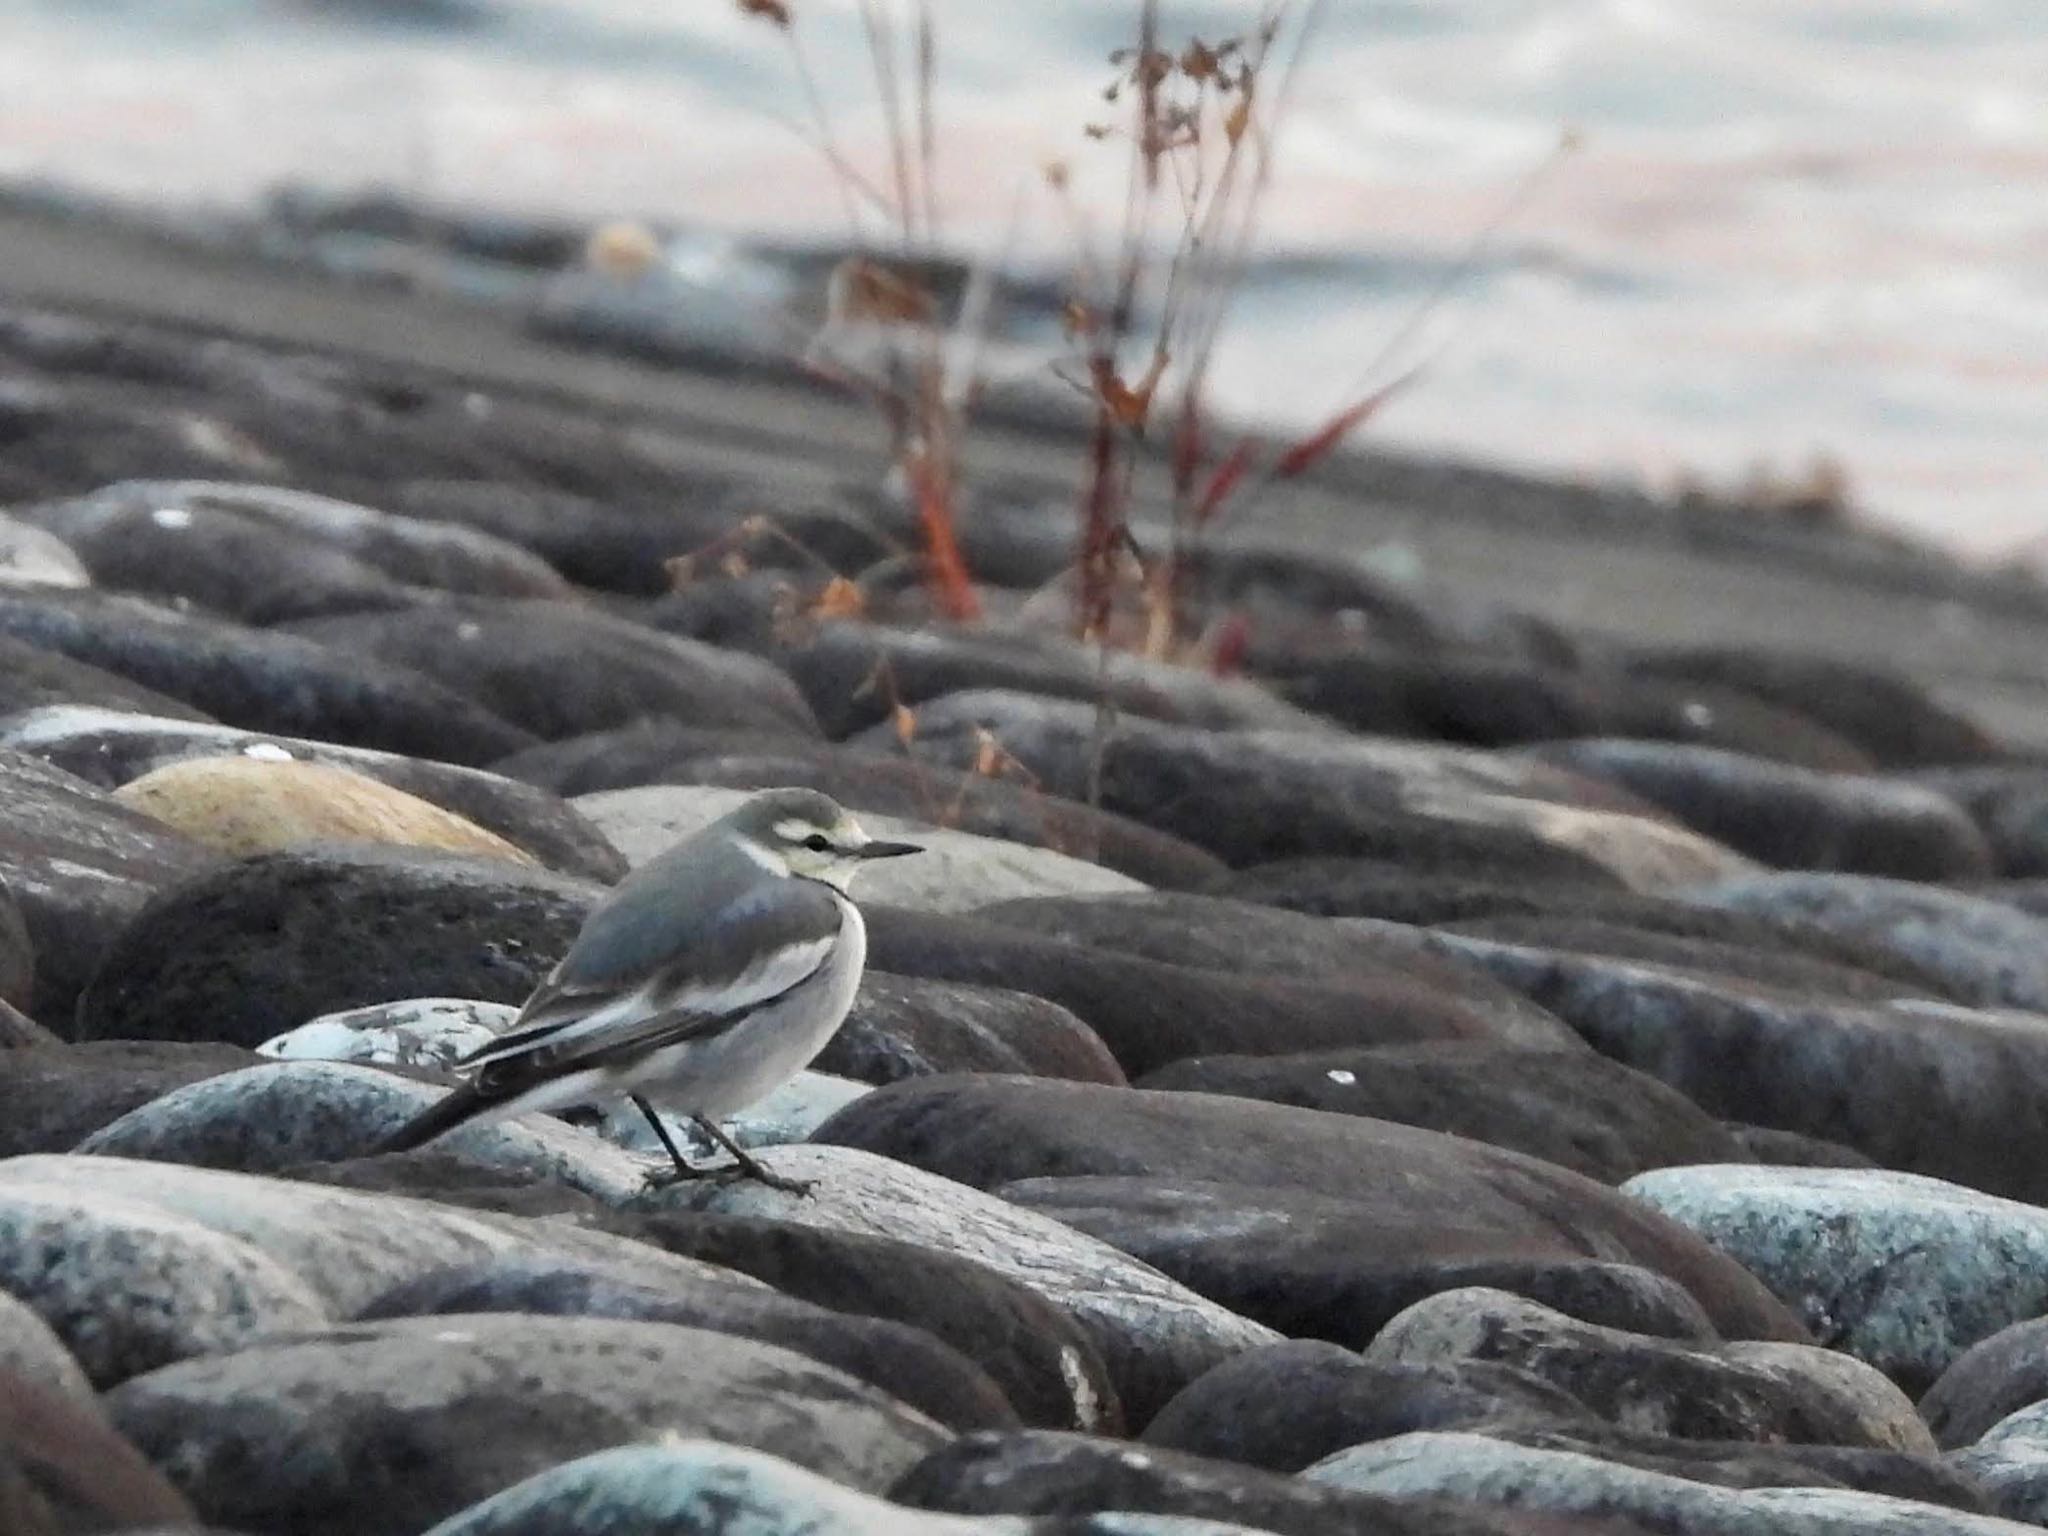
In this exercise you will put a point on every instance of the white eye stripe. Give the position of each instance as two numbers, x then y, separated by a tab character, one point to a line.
793	829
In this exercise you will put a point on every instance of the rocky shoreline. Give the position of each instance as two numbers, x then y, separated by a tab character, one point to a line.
1465	1074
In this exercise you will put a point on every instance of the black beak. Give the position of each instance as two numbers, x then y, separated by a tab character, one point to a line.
885	850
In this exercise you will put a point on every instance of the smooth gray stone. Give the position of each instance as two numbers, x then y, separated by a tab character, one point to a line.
1986	952
1156	1334
268	1118
383	1428
698	1488
1466	1466
2010	1462
1686	1388
136	1264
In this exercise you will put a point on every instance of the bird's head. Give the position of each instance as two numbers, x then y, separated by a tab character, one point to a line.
809	836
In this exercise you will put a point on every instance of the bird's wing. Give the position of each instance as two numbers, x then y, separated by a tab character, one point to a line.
593	1008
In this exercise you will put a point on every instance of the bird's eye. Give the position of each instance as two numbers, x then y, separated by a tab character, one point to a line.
818	842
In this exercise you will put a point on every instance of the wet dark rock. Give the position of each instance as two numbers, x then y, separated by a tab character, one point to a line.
1889	718
1287	1405
1767	1393
20	1032
908	1363
262	681
1257	796
2010	806
1765	957
1291	1404
17	952
1985	952
904	1026
191	550
307	1435
1149	1014
746	610
260	945
1322	1267
836	665
34	678
77	868
1492	700
51	1099
561	669
1994	1377
1900	1271
668	752
110	748
1040	1473
137	526
623	545
1934	1087
1198	1175
1792	818
1243	938
1587	920
1047	1366
1791	1149
1573	1108
1430	874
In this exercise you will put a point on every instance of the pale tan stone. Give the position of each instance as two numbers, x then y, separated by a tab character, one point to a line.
248	805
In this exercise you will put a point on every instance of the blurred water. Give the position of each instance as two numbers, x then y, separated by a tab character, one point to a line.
1796	226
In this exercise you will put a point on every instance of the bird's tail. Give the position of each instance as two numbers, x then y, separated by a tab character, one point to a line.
440	1117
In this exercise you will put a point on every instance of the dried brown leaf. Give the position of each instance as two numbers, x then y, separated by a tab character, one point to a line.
862	290
839	599
1239	117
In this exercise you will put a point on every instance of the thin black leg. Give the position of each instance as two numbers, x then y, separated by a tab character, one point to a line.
683	1169
747	1165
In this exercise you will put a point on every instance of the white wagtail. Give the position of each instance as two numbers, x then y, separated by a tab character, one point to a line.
708	979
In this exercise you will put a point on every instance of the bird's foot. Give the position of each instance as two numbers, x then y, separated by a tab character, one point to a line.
681	1173
725	1173
801	1188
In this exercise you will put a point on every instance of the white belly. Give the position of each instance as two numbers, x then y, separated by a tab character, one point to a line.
768	1047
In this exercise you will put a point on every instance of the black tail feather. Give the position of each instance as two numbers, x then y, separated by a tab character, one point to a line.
440	1117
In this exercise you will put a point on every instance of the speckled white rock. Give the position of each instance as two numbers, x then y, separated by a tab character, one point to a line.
337	1249
698	1488
34	557
128	1286
1902	1271
957	872
412	1032
265	1118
